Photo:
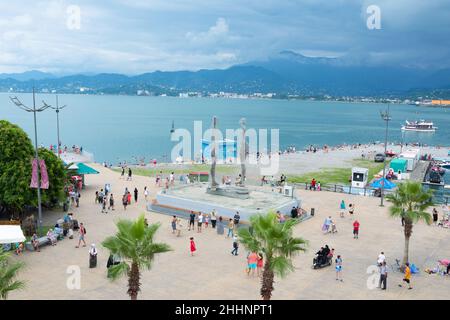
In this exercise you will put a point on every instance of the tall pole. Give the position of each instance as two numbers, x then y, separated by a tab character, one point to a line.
19	104
386	117
57	127
38	170
57	109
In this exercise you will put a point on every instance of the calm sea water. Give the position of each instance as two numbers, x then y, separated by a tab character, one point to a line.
118	128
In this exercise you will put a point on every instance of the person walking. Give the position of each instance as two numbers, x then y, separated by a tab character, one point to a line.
122	175
213	218
220	227
356	229
435	216
174	224
130	174
199	222
351	208
235	246
381	259
259	264
236	219
192	220
230	228
136	194
111	202
342	208
82	232
338	262
129	197
193	247
104	201
407	276
252	261
206	218
145	194
93	256
383	276
125	201
179	226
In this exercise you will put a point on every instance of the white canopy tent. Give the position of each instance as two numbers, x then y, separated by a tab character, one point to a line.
11	234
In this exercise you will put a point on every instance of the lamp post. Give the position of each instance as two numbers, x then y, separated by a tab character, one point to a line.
19	104
386	117
57	109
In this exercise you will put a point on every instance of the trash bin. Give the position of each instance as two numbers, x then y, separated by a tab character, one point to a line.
312	211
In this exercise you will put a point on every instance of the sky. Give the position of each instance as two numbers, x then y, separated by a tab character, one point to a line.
137	36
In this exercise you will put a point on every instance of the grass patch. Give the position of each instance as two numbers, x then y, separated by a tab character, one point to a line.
152	172
338	175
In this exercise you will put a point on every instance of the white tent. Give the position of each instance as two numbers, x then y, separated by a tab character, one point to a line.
11	234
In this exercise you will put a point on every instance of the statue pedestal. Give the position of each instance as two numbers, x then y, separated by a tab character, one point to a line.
229	191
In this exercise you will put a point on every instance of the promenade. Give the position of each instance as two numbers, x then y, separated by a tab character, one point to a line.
215	274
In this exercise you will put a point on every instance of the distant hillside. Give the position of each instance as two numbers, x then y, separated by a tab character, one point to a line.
288	73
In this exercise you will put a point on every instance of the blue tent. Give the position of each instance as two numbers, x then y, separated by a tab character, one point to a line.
387	184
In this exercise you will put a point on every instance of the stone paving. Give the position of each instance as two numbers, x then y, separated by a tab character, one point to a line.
213	273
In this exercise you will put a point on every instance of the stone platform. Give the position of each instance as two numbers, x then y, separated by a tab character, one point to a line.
194	197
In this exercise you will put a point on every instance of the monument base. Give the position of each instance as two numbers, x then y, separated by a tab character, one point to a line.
181	200
230	191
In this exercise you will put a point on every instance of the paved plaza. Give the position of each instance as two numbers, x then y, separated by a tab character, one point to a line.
215	274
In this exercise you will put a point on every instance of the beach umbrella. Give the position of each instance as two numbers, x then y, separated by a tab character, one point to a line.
379	183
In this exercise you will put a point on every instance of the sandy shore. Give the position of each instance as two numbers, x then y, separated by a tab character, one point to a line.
215	274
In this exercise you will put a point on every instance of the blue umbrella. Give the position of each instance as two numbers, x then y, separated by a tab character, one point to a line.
387	184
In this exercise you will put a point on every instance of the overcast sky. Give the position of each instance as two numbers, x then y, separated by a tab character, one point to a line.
137	36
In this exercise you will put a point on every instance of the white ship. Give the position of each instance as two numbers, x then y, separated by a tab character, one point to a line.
421	125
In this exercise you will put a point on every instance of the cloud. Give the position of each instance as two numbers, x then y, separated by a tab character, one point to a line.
136	36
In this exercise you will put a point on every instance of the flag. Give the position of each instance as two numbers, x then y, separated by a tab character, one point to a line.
34	174
35	177
44	174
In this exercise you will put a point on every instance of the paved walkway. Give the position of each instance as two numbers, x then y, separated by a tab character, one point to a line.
215	274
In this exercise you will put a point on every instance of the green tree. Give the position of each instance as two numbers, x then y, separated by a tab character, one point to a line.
276	242
134	244
409	202
57	174
16	152
8	274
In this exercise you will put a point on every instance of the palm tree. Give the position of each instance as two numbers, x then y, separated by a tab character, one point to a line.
409	202
133	243
275	241
8	273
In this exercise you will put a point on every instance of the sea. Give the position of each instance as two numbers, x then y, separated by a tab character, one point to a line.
127	128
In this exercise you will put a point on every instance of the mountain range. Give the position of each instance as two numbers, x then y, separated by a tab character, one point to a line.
287	73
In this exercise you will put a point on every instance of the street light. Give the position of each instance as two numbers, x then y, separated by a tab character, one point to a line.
386	117
19	104
57	108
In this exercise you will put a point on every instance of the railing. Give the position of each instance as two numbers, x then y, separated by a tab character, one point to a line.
340	188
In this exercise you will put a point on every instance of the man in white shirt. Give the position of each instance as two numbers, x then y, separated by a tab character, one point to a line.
381	258
199	222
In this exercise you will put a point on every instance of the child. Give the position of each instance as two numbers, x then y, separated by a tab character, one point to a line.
174	224
193	248
333	227
339	268
407	276
351	208
206	220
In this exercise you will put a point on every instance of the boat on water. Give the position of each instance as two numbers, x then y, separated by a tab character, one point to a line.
421	126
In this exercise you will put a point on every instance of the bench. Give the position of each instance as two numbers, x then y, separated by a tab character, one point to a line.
42	242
